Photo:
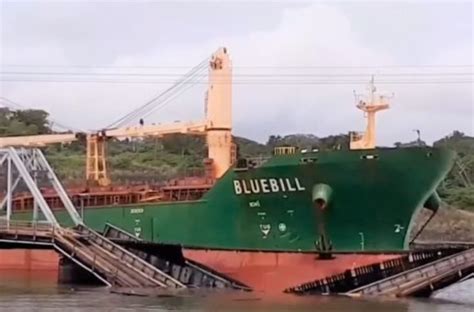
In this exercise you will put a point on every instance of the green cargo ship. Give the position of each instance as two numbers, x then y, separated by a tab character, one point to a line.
269	225
265	226
357	200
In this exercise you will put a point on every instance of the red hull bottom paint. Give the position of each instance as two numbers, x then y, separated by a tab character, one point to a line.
26	264
272	272
27	259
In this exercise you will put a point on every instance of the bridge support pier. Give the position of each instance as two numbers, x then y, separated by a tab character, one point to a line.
71	273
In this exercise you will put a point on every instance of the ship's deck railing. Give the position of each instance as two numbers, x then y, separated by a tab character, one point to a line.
284	150
29	227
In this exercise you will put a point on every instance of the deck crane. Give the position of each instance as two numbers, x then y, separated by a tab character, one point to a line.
216	127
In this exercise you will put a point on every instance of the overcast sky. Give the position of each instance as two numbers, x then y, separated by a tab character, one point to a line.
271	39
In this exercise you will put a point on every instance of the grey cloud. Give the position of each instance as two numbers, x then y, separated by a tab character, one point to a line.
256	35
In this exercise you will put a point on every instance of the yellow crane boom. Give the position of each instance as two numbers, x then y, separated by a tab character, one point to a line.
157	130
37	140
96	164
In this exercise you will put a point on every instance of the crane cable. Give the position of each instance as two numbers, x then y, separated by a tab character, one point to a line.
246	75
178	85
172	97
192	82
136	113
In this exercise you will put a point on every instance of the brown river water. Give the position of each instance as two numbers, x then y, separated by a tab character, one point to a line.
30	291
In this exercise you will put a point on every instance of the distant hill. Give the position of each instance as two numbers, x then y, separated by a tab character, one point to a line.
340	141
249	148
458	188
458	141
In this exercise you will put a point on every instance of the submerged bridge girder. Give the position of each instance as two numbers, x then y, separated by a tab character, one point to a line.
418	273
422	280
104	259
170	260
129	269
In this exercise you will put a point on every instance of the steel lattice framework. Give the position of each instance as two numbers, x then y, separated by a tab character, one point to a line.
26	165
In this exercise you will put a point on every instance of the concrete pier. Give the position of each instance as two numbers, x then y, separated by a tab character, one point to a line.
71	273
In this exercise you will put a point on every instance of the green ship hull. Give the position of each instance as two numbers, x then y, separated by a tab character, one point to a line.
348	201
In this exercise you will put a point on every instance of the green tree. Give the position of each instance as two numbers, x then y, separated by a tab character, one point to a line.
33	117
23	122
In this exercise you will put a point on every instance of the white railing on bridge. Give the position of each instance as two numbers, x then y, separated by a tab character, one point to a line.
21	226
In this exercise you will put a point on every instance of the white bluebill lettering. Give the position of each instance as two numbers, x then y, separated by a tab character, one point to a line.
298	185
268	185
274	185
282	184
254	186
290	187
237	187
264	184
244	186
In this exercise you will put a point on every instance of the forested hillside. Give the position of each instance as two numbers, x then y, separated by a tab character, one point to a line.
458	188
158	159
